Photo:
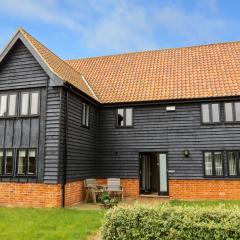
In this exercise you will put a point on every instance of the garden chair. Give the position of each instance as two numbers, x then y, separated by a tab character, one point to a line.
114	187
92	189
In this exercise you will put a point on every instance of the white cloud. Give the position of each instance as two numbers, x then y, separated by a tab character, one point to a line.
123	25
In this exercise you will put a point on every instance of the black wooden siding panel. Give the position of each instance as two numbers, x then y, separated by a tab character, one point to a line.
157	130
52	135
81	142
20	70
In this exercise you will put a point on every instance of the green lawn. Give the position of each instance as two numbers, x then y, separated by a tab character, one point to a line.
52	224
223	203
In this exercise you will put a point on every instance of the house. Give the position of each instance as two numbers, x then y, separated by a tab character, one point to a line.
166	122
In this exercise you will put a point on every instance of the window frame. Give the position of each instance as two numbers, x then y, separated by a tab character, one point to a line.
26	174
238	164
213	164
124	117
85	120
233	104
4	174
30	102
20	104
16	106
211	113
4	94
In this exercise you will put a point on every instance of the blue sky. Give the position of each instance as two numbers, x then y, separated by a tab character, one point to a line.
86	28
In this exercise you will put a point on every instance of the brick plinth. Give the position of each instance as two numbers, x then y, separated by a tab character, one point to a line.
30	194
204	189
130	187
74	193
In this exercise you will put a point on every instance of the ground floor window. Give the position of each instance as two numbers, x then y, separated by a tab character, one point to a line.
25	161
213	163
233	163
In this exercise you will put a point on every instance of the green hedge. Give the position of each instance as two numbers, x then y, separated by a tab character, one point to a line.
170	223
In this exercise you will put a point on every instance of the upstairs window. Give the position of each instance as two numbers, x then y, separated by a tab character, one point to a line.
210	113
213	162
232	111
12	105
85	114
29	103
3	105
124	117
233	163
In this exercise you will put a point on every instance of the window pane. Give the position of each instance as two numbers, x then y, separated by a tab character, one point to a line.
215	113
87	115
9	162
205	113
218	164
21	161
120	117
129	117
228	112
232	164
34	103
24	103
12	105
208	163
237	111
3	105
1	162
84	114
32	162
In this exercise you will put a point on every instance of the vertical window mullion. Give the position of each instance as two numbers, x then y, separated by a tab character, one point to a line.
213	164
124	117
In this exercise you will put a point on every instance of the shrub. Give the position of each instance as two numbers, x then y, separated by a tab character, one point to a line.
171	222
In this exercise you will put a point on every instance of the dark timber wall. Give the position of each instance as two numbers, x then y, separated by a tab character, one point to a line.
21	72
81	142
156	130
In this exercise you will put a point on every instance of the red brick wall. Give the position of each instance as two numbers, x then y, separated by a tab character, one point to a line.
74	193
204	189
30	194
130	187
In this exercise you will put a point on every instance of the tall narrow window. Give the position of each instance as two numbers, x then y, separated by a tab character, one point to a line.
22	157
213	162
85	114
1	162
205	113
215	113
120	117
208	164
8	162
124	117
32	161
218	163
3	105
34	103
232	164
228	112
237	111
24	104
12	105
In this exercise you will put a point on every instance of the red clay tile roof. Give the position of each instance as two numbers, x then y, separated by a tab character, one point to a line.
58	66
182	73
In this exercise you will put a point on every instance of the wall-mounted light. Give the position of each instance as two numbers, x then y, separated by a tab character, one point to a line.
186	153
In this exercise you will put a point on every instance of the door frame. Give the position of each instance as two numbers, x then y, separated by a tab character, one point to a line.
158	164
158	175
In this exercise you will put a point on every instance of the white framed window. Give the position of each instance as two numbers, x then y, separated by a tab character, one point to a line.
34	109
124	117
213	164
210	112
85	114
24	107
3	105
12	105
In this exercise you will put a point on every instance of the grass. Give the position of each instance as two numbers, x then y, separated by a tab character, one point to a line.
213	203
50	224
